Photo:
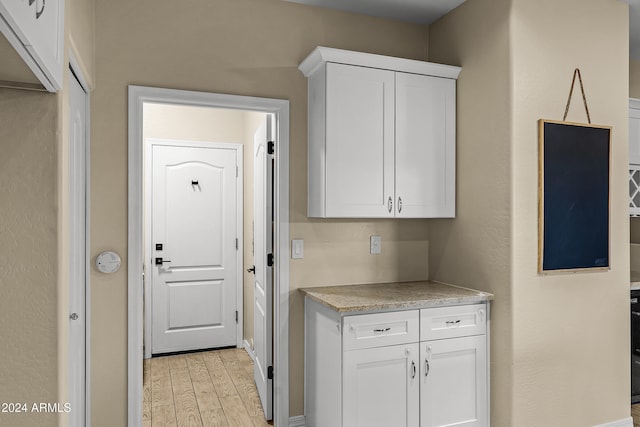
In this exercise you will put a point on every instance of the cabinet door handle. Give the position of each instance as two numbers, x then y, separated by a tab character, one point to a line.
390	204
413	369
381	329
452	322
399	204
426	367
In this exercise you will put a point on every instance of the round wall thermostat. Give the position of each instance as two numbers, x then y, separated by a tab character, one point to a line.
108	262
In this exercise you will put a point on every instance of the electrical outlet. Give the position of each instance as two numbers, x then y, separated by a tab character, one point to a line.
376	244
297	249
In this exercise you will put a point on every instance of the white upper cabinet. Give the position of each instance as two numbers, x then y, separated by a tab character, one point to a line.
381	136
425	146
359	141
634	131
35	29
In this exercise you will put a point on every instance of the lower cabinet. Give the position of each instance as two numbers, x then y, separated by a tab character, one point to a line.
387	369
381	387
453	382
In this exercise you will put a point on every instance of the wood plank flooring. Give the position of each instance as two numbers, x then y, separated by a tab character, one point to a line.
204	389
635	413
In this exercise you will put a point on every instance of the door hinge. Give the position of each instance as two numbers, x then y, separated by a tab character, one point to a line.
237	243
237	171
269	260
270	373
271	147
236	316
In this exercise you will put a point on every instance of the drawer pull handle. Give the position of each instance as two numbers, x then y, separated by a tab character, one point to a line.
381	329
426	367
413	369
452	322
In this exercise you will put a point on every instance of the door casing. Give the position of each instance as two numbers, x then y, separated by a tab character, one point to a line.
138	96
76	208
148	146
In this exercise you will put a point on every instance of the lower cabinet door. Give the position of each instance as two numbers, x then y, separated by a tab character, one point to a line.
381	387
453	382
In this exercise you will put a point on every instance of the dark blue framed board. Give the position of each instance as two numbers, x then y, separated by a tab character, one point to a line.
573	207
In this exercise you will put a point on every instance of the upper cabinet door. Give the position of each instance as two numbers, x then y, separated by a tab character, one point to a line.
425	146
634	132
35	28
359	141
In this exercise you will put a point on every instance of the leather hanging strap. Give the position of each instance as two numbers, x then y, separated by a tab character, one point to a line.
576	72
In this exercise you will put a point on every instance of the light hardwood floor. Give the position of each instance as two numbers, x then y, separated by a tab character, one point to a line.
205	389
635	413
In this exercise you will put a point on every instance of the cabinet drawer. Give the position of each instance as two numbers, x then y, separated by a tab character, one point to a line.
380	329
451	322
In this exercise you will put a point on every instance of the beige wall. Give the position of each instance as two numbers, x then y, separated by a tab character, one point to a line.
28	256
517	61
33	271
473	250
634	78
245	47
216	125
81	37
556	314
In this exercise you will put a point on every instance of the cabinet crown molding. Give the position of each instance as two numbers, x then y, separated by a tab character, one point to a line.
321	55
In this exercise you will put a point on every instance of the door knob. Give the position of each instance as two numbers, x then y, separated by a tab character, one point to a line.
73	316
252	270
160	261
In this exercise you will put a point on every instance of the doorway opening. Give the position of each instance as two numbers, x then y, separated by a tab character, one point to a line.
166	106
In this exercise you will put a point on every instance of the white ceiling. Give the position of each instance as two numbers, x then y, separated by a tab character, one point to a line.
427	11
416	11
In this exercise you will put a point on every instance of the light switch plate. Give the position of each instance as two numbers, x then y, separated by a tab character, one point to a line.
376	244
297	249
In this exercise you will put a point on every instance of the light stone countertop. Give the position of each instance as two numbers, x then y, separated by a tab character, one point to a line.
393	296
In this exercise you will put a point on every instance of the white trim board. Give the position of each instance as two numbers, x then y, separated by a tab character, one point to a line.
149	143
625	422
298	421
138	95
76	73
249	350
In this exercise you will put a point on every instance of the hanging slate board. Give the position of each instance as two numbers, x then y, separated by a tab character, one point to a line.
573	223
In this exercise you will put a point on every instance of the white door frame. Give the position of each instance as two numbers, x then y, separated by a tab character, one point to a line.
148	162
74	208
138	95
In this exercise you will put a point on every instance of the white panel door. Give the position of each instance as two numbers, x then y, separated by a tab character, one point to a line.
453	376
359	141
194	217
263	284
77	252
425	146
381	387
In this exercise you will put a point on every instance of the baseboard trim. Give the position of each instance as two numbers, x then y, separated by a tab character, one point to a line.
247	347
625	422
299	421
